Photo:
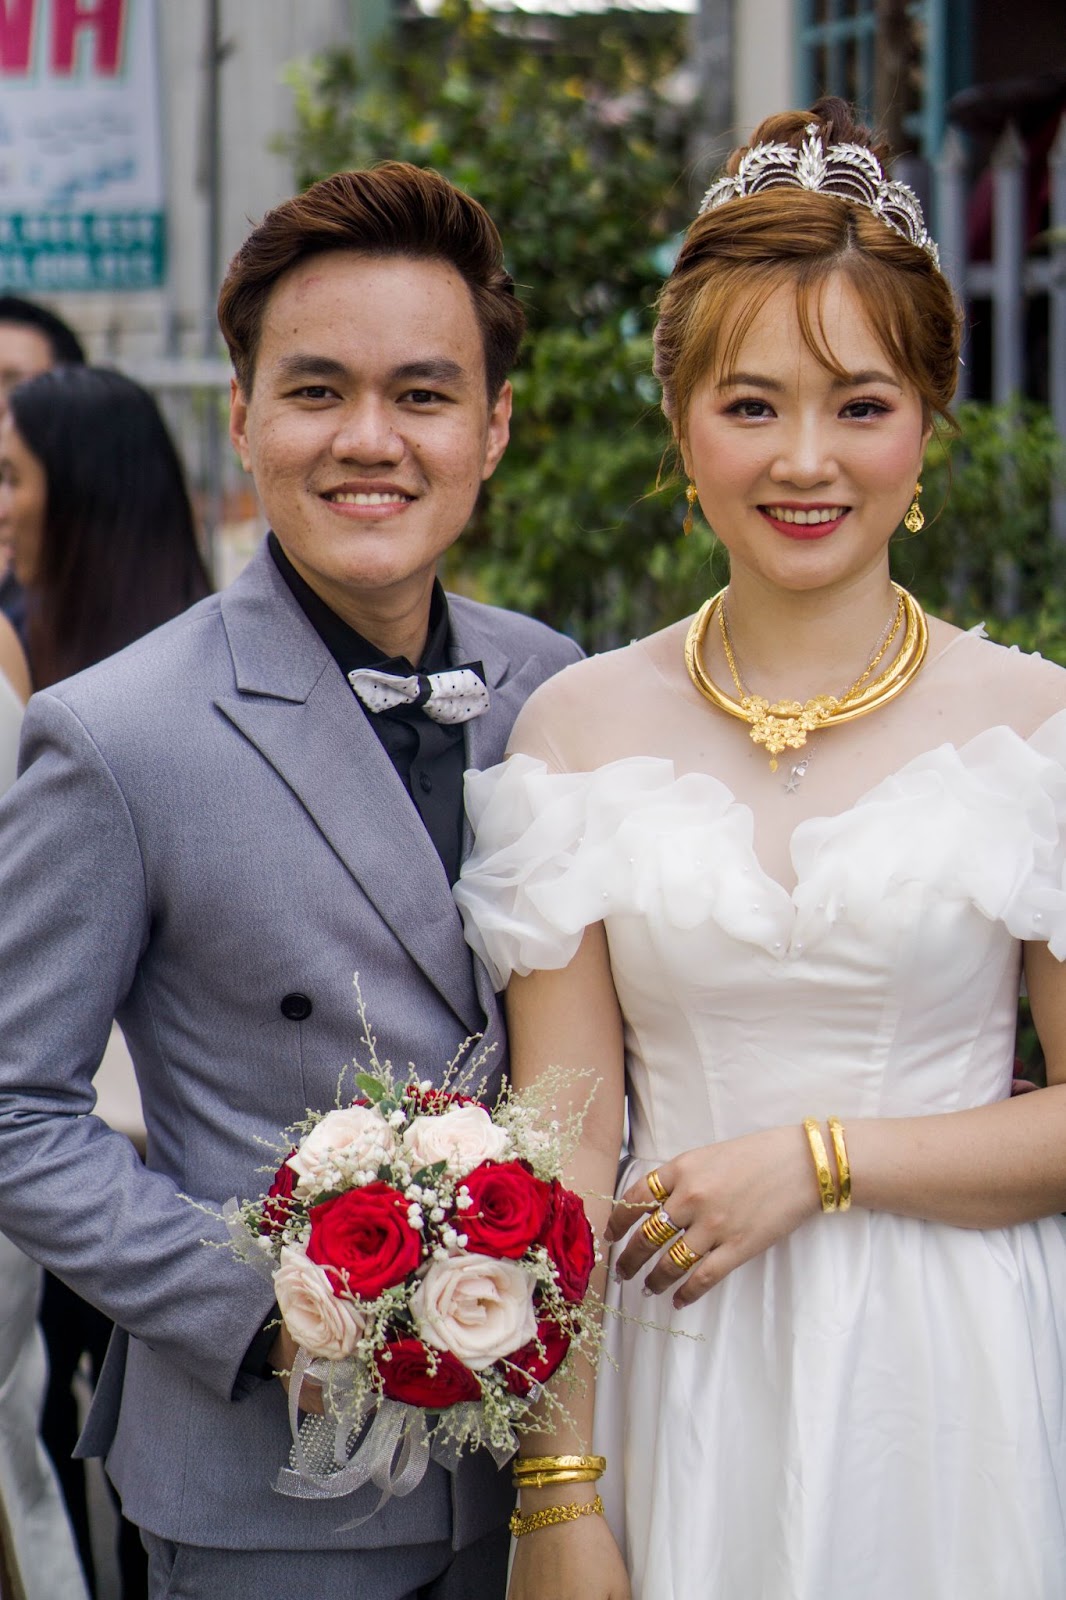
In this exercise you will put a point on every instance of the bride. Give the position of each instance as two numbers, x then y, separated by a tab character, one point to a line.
773	874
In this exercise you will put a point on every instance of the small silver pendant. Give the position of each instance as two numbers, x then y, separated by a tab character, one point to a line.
796	775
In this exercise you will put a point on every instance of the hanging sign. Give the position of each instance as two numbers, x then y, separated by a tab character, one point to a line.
81	170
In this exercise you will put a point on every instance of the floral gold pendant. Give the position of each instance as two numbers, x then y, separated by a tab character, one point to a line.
784	724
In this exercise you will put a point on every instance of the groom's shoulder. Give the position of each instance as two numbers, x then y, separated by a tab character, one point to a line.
168	664
513	633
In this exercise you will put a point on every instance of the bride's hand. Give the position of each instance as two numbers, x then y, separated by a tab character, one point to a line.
570	1561
731	1201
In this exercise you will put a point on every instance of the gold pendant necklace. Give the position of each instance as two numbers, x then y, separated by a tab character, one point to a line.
784	724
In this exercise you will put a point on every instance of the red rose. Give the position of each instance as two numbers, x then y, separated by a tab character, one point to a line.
434	1102
276	1205
405	1375
509	1209
538	1359
365	1237
567	1237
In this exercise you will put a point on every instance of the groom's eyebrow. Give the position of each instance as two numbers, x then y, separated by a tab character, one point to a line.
294	367
436	369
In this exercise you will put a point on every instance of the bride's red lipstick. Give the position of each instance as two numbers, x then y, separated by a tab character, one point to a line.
803	530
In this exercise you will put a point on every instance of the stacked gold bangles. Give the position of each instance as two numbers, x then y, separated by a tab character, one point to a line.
538	1472
835	1194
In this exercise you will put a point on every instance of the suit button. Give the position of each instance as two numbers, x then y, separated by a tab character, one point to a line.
296	1007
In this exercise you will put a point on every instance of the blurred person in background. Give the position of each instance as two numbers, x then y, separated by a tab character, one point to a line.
38	1560
96	515
95	512
32	340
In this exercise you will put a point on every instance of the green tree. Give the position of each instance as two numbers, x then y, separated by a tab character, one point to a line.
987	553
571	134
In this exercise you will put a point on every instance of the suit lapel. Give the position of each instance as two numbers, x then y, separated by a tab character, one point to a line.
510	684
293	705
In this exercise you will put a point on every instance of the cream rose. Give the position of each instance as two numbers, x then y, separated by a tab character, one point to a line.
352	1140
463	1137
324	1325
478	1307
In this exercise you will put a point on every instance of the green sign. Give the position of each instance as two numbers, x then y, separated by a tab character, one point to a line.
53	252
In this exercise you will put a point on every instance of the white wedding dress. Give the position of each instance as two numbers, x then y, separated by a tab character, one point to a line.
876	1407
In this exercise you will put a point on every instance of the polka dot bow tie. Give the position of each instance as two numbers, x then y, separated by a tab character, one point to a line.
453	696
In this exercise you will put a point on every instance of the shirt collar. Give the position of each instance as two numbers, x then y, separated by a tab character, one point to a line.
349	648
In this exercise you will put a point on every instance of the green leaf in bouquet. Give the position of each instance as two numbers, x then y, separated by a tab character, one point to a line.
426	1177
373	1088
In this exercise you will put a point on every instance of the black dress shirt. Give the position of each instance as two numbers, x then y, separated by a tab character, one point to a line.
429	757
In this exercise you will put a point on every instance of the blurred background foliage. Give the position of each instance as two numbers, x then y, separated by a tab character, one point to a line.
572	132
575	133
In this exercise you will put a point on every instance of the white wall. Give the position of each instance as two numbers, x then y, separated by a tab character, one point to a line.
763	68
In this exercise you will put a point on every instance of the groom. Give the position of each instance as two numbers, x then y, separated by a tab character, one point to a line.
218	827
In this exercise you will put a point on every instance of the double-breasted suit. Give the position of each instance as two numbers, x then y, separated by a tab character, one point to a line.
208	841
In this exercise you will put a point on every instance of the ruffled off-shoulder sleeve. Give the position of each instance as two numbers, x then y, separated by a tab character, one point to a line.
985	822
556	852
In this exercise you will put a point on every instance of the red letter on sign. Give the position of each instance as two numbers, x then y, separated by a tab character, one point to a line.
105	17
16	34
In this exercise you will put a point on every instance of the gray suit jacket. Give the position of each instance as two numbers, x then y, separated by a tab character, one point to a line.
204	825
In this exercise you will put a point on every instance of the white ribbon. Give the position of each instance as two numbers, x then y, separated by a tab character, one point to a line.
378	1441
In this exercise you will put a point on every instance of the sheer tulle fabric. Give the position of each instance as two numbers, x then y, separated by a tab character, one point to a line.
877	1405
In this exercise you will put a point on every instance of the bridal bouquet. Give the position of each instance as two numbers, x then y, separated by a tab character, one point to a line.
432	1268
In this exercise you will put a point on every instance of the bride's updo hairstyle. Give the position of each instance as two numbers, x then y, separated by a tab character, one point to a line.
736	256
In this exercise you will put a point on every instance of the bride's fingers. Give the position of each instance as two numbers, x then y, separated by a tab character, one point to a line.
659	1231
646	1195
681	1257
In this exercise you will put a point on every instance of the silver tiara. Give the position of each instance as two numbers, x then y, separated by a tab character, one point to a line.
849	171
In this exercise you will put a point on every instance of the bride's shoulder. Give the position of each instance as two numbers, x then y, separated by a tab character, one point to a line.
565	718
1022	687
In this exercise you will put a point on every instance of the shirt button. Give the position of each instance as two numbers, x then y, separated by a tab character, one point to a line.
296	1007
425	782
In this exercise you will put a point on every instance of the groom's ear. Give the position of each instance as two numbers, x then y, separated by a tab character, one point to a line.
238	423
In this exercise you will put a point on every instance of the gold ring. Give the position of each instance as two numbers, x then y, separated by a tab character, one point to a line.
682	1256
658	1229
655	1184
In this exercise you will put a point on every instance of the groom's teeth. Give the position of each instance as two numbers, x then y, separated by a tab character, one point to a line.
806	518
369	499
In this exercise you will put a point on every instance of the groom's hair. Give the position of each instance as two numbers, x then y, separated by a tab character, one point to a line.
394	209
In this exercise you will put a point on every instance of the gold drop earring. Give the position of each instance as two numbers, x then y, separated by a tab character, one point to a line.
691	495
914	521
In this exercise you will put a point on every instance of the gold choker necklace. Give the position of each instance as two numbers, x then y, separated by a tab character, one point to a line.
785	724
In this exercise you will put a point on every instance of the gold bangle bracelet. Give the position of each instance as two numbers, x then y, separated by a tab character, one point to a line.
543	1480
548	1516
826	1186
523	1464
840	1151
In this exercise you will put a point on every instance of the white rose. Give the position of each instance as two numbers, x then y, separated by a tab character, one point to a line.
324	1325
477	1307
357	1138
463	1137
